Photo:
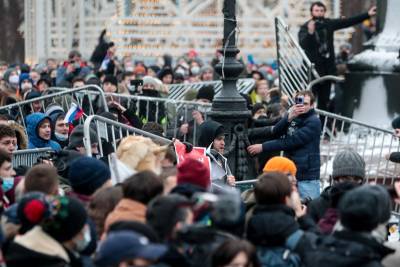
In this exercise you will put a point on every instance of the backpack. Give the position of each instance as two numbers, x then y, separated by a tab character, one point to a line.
278	257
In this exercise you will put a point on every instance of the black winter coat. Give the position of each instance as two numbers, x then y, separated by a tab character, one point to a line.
319	46
342	249
271	225
300	142
317	207
19	256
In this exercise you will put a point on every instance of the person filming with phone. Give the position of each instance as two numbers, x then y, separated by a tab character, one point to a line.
297	135
316	38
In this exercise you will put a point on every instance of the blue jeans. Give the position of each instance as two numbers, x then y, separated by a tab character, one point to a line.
309	188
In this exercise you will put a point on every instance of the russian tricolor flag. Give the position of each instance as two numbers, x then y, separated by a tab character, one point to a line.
74	113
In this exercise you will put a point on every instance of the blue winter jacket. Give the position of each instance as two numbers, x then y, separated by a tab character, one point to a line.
299	140
32	124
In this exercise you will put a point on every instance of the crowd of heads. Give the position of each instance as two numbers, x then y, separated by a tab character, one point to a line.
144	204
176	217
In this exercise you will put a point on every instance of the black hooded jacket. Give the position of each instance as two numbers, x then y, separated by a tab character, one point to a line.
343	249
209	130
319	46
271	225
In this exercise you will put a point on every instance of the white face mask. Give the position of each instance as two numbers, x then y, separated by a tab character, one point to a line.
180	71
26	86
83	243
195	70
13	79
61	137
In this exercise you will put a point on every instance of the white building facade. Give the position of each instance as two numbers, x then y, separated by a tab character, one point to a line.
146	29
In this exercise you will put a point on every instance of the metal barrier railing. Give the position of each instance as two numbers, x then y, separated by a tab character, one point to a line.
371	142
171	114
29	157
109	133
295	70
178	91
63	97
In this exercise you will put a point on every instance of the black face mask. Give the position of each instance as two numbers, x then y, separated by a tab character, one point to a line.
318	19
344	56
151	93
262	117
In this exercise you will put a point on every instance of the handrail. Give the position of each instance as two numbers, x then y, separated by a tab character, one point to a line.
323	79
349	120
87	125
31	150
61	93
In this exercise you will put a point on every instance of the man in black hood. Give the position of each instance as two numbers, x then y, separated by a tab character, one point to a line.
213	138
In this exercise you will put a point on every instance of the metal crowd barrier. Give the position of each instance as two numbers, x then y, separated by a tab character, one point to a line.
29	157
295	70
178	91
371	142
63	97
110	132
169	113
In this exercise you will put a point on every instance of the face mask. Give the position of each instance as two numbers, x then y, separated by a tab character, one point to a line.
195	70
61	137
203	109
26	86
262	117
8	183
180	71
83	243
13	79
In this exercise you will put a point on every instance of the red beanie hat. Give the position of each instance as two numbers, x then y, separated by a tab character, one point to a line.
193	171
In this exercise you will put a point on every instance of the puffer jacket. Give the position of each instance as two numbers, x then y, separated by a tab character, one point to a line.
300	142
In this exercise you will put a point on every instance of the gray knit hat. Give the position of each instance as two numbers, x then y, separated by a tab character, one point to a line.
348	163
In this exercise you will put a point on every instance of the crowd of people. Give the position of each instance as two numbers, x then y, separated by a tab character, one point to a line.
144	203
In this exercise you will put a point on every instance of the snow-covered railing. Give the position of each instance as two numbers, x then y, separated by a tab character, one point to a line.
371	142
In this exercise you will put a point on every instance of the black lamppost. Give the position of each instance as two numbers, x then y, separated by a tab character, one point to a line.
229	107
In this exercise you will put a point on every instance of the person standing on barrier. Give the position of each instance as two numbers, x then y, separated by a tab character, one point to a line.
316	38
300	132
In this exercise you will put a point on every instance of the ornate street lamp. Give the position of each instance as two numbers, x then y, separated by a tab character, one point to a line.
229	107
